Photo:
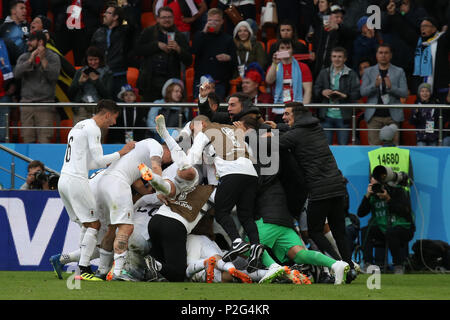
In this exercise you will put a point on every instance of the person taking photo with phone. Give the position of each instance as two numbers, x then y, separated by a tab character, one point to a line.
91	83
292	80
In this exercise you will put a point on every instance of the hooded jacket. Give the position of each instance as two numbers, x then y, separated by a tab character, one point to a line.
307	142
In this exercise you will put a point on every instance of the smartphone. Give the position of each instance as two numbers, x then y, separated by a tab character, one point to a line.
283	54
170	36
88	70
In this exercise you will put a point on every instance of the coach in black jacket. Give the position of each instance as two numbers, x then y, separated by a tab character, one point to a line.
325	184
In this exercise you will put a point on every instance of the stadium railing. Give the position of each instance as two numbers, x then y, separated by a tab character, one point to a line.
354	128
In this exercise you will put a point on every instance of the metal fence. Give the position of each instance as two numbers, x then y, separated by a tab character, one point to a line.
183	106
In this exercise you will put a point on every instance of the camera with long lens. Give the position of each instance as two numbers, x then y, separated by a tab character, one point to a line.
385	175
40	177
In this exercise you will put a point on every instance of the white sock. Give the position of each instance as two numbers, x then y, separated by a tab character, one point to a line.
224	266
106	259
330	238
73	256
179	157
88	246
119	261
159	184
195	267
82	233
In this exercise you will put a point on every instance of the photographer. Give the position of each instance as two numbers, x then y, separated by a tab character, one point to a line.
36	178
391	222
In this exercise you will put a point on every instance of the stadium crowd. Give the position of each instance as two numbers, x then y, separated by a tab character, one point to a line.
163	52
319	51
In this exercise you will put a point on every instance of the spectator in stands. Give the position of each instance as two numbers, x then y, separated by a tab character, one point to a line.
334	85
246	8
186	13
206	86
424	118
116	39
8	56
363	64
292	80
128	117
385	84
439	9
163	48
67	71
35	169
299	12
173	92
15	26
431	63
91	83
287	30
366	43
253	79
134	12
248	50
330	35
38	70
354	10
215	53
403	25
75	23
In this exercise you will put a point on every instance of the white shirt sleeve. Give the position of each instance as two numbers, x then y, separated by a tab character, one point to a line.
99	160
196	151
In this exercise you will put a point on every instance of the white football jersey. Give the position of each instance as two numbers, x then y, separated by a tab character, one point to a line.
84	150
127	167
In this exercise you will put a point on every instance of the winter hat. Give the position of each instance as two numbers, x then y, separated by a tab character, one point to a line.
126	88
424	85
361	22
169	82
242	24
387	133
206	78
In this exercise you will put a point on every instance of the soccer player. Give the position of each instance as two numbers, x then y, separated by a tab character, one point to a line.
116	195
59	260
237	179
83	153
183	201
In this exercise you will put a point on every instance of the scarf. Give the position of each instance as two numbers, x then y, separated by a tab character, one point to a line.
423	65
297	87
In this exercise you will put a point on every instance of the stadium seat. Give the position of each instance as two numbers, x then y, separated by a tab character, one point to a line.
69	56
64	132
147	19
190	84
270	42
233	85
263	45
132	76
408	138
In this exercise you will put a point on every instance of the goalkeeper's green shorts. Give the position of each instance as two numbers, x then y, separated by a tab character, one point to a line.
278	238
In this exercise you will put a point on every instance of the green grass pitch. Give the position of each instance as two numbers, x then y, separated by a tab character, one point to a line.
34	285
